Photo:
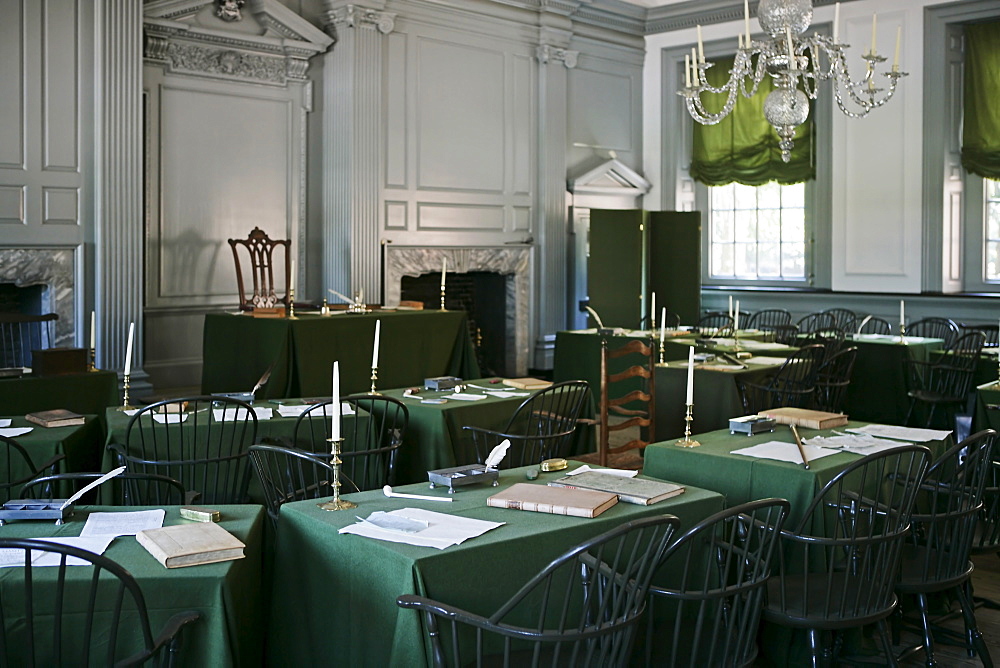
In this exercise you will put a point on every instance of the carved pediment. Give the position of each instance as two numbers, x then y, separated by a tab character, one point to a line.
610	178
258	40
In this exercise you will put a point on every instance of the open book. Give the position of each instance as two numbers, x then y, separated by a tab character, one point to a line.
630	490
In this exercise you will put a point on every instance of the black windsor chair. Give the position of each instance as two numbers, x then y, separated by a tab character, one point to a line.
833	379
580	610
946	381
990	331
935	328
21	333
767	319
125	489
371	440
41	622
287	474
871	324
185	439
837	569
715	324
786	334
792	384
816	322
721	566
541	428
20	468
843	319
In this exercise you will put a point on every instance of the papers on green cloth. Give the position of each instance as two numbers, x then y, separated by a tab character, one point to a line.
784	452
625	473
909	434
238	413
170	418
123	524
859	444
763	359
465	396
14	432
5	422
442	530
15	556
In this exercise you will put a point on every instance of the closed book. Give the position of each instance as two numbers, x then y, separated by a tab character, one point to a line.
58	417
191	544
639	491
526	383
555	500
803	417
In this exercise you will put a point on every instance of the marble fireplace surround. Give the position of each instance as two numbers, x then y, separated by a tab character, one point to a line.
52	267
513	262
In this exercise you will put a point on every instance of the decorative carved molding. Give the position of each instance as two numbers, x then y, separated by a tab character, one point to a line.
545	53
229	10
353	16
228	63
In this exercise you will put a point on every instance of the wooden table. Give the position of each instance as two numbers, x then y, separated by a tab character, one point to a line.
82	445
335	598
414	345
228	594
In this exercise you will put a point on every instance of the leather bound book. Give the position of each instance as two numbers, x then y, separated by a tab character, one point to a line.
191	544
526	383
639	491
58	417
555	500
803	417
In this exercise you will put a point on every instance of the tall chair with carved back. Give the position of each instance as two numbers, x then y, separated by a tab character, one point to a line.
21	333
635	405
260	250
541	428
371	439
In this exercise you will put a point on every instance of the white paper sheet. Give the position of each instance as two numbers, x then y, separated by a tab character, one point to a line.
784	452
170	418
97	544
14	432
505	394
130	412
464	396
859	444
909	434
624	473
291	411
442	530
238	413
5	422
764	359
122	524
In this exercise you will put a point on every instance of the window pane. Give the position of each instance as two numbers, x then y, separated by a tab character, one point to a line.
793	196
746	226
769	225
793	225
992	260
992	221
992	189
722	259
746	260
769	260
769	196
746	196
722	197
793	260
722	226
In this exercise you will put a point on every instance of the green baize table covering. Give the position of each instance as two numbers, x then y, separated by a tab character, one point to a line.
987	413
414	345
79	392
335	594
227	594
80	443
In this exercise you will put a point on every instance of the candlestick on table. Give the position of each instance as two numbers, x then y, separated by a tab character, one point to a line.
378	332
335	404
444	272
93	341
336	503
663	327
902	322
128	368
686	442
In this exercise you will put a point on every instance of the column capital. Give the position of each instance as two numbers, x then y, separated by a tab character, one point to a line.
356	16
546	53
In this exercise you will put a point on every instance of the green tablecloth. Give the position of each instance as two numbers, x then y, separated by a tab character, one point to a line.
877	392
414	345
86	393
716	398
349	584
987	412
741	478
227	594
81	444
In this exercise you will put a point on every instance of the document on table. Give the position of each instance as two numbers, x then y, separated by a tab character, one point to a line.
465	396
909	434
14	432
237	413
505	394
859	444
624	473
442	530
122	524
5	422
285	410
13	556
170	418
784	452
763	359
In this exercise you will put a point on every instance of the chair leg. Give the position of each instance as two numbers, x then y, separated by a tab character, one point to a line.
883	634
814	647
925	623
973	629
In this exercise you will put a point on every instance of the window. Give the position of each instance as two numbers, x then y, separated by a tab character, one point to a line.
991	227
759	232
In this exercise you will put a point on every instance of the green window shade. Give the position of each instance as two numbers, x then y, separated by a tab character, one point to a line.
981	133
743	147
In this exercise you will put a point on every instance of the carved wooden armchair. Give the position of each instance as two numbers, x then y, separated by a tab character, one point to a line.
261	249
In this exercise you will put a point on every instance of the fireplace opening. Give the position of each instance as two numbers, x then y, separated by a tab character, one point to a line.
27	299
481	294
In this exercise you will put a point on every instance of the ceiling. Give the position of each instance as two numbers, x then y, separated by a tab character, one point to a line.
654	3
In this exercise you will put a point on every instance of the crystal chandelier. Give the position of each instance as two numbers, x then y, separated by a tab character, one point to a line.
796	63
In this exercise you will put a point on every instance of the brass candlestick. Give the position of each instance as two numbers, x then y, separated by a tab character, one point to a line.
291	303
442	297
661	351
325	308
125	404
902	334
736	341
374	378
336	503
93	360
686	442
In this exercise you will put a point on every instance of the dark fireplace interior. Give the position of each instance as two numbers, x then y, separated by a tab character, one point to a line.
481	294
27	299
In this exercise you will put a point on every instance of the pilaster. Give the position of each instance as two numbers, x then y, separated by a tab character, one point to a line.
118	186
353	147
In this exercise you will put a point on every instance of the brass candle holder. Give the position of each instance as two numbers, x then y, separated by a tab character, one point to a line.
325	308
902	334
291	303
374	378
125	404
661	351
93	360
686	442
336	503
442	298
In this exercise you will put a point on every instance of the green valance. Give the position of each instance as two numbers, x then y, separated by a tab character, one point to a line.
743	147
981	133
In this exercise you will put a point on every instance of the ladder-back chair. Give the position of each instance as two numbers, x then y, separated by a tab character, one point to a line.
261	249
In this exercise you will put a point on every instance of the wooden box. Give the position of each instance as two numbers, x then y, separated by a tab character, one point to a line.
58	361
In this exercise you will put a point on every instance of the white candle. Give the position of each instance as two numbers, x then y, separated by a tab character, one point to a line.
701	47
902	313
128	348
736	316
93	330
444	270
836	22
378	331
694	67
663	325
739	39
791	54
730	306
335	403
687	70
690	387
874	24
652	311
895	58
746	20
